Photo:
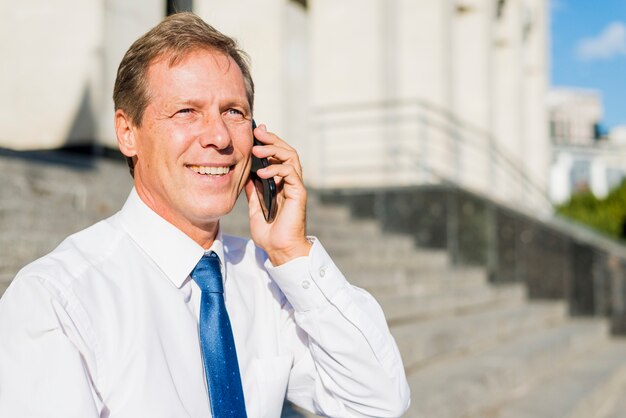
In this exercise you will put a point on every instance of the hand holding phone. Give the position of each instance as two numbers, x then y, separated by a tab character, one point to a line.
282	237
265	188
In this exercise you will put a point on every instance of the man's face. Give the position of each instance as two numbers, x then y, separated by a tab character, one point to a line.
193	147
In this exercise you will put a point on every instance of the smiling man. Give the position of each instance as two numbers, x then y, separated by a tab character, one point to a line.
154	312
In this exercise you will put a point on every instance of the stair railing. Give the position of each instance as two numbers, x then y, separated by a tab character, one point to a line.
411	142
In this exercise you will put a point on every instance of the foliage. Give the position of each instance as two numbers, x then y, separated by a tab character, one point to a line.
607	215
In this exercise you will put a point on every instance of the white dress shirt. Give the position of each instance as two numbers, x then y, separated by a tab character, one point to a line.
107	326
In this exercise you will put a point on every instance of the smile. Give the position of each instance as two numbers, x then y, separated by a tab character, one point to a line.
211	171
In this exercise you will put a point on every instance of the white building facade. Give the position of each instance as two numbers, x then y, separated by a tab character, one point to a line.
584	158
372	92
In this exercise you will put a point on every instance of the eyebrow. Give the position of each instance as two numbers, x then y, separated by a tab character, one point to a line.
238	103
187	102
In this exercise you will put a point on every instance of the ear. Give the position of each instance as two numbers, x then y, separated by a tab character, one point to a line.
124	130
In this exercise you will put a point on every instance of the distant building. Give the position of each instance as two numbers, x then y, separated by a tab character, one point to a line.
584	158
372	92
618	135
575	116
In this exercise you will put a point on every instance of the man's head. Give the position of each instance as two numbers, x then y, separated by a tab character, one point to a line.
183	115
172	39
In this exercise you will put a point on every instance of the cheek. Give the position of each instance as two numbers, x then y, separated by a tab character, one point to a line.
243	144
169	145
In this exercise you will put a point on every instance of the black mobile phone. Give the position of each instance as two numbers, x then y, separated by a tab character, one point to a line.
265	188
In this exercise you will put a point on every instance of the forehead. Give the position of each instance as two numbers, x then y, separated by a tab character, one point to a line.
202	70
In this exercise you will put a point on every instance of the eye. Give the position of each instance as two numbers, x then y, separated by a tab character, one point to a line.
232	111
184	113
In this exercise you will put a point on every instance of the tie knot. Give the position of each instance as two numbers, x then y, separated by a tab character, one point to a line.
207	274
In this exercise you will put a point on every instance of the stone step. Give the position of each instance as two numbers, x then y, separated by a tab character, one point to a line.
465	386
617	407
367	231
416	282
319	212
436	340
584	388
384	244
454	300
362	231
316	212
419	261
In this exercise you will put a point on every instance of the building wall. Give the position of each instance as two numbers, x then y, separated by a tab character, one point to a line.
372	92
58	68
456	92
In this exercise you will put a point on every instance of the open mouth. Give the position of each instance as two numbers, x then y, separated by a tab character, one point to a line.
211	171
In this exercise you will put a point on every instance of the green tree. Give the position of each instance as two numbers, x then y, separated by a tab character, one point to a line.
606	215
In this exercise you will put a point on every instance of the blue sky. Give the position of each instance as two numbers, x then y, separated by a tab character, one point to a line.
589	50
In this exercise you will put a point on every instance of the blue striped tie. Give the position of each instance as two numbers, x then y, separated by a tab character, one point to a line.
218	347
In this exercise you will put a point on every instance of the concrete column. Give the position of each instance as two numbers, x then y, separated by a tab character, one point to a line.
423	55
471	49
347	52
471	89
507	126
48	82
422	82
536	156
296	63
349	77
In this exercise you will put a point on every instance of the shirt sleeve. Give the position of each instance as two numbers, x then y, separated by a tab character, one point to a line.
43	372
351	366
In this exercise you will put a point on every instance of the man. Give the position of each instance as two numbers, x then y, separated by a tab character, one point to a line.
119	320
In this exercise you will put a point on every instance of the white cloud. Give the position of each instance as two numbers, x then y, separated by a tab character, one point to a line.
609	43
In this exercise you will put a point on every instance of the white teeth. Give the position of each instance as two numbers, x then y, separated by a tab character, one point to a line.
213	171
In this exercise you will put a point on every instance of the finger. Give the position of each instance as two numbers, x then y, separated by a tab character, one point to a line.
277	154
286	172
263	135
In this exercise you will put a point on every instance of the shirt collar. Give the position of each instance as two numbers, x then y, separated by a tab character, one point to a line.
175	253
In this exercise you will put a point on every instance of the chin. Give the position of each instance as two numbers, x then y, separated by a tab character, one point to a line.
217	208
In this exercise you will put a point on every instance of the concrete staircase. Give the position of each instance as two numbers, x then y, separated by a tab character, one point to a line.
470	349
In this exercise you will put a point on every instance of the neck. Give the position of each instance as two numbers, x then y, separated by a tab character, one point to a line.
202	232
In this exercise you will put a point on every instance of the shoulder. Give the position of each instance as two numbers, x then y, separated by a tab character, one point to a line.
74	258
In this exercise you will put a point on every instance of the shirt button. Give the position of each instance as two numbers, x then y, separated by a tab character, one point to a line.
322	272
306	284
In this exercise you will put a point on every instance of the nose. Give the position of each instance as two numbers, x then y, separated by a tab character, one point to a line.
215	133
